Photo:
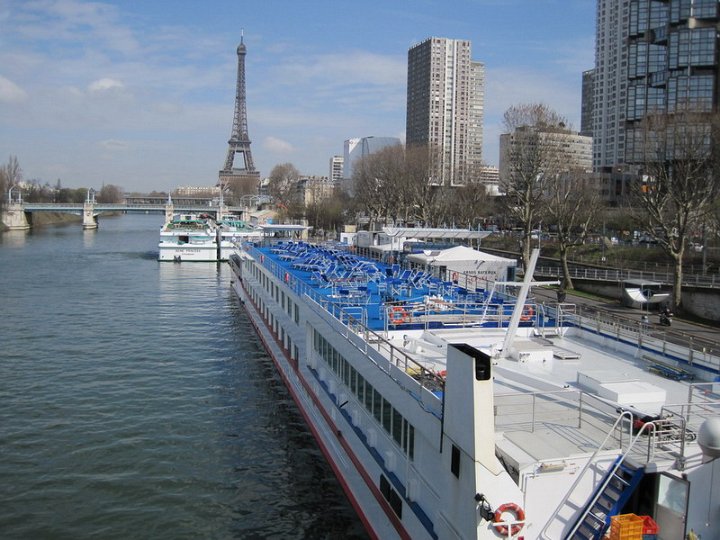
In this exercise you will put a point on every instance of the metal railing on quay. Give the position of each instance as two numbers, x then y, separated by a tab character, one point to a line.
614	274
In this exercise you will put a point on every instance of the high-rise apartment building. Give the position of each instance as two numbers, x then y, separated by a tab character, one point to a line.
445	100
336	169
586	103
610	83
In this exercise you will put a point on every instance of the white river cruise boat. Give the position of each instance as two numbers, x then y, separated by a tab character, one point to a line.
189	237
448	412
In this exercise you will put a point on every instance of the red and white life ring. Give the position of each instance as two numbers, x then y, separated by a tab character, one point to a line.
398	315
527	313
454	276
519	516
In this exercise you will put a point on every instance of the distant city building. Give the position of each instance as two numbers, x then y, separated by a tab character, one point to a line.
314	189
490	178
336	169
197	191
361	147
445	100
576	148
586	112
610	83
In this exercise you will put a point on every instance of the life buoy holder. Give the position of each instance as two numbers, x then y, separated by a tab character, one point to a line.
527	313
519	516
398	315
454	276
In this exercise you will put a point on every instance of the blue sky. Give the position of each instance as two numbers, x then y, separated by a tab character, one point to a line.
140	93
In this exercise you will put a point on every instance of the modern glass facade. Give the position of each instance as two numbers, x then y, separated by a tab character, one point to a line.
672	63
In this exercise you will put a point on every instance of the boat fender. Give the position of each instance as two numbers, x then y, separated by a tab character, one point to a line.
519	516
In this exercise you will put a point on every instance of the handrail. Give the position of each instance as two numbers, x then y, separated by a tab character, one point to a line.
647	427
580	475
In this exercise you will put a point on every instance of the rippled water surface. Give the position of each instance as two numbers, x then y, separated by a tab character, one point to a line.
136	401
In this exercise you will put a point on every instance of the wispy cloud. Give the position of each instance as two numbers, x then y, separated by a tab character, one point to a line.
11	92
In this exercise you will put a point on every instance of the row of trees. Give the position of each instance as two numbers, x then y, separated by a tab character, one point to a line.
35	191
542	184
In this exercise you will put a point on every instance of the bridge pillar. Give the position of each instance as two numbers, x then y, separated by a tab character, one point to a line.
169	212
14	217
89	218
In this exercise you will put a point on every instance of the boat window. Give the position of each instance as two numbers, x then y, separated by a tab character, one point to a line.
397	425
368	396
360	388
377	405
455	461
387	415
353	380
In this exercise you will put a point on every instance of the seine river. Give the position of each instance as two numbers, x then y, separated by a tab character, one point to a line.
136	401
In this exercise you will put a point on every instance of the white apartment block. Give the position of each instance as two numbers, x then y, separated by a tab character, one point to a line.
445	101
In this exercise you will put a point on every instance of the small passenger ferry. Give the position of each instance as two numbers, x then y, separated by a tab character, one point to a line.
452	412
189	237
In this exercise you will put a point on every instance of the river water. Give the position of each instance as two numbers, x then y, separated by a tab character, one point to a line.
136	401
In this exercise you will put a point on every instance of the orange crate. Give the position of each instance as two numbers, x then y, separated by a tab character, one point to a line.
626	527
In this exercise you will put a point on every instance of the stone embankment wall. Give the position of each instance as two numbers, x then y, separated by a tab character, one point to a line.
42	219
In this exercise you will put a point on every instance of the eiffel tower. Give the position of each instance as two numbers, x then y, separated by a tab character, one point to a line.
242	180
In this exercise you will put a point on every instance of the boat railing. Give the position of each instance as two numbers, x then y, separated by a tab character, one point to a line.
355	324
572	408
625	417
674	346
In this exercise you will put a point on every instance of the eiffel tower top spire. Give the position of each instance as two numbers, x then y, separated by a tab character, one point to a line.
239	142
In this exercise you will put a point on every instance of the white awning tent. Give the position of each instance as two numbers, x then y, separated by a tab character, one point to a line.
462	263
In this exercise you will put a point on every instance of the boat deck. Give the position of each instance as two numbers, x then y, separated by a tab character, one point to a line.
385	295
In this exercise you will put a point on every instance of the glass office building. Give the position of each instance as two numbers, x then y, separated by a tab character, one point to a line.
672	63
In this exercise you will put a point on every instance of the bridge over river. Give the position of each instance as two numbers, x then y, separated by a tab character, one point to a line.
17	214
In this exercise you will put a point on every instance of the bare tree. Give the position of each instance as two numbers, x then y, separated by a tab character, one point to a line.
528	158
571	203
282	186
681	182
110	194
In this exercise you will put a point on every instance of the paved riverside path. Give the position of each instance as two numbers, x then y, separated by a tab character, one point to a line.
613	309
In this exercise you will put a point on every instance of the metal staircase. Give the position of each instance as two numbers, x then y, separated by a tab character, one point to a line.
607	500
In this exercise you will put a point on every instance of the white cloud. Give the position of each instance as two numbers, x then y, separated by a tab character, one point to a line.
278	146
104	84
11	92
113	145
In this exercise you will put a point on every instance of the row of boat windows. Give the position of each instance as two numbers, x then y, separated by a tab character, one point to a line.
270	318
387	416
292	309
